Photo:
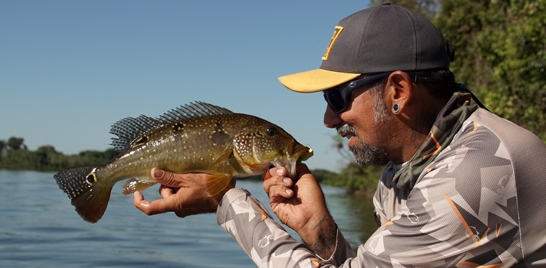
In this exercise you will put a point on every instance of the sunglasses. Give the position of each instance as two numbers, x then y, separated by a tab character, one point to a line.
338	97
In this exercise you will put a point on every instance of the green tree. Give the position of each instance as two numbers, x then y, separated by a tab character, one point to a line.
3	146
49	158
355	178
15	143
324	175
15	156
501	55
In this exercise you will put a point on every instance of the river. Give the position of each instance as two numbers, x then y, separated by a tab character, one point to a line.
39	228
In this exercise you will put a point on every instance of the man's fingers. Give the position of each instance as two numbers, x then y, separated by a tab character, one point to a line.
278	186
140	202
275	181
138	199
165	192
155	207
280	192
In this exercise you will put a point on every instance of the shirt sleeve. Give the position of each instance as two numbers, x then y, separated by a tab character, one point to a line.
462	212
264	240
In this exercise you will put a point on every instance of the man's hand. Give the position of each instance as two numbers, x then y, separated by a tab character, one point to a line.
301	206
183	194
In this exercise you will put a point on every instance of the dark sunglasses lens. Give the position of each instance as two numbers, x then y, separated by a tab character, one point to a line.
334	100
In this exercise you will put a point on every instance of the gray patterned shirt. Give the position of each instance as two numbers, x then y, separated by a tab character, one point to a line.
480	203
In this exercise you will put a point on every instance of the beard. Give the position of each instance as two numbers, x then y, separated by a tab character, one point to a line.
365	154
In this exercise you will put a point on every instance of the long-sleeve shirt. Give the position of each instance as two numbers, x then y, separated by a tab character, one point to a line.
480	201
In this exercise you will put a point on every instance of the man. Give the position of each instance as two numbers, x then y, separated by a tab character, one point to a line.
462	187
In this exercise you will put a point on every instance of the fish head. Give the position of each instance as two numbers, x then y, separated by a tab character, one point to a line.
265	144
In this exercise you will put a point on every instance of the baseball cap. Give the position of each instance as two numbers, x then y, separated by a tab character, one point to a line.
377	39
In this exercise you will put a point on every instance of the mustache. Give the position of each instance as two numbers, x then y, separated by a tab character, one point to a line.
346	128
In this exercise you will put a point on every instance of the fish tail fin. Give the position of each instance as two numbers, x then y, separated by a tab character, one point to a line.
218	182
88	193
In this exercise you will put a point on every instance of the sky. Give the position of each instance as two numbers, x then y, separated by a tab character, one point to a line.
70	69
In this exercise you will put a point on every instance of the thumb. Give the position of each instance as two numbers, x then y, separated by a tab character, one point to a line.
302	169
165	178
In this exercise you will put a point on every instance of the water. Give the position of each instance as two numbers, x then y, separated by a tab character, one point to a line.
39	228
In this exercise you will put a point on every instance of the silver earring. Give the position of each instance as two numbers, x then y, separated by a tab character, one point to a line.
396	108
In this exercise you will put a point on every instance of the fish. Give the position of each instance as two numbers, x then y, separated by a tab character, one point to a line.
194	138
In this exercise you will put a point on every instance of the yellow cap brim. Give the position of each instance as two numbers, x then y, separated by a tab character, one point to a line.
315	80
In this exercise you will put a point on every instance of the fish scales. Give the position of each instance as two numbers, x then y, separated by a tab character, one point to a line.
198	137
193	144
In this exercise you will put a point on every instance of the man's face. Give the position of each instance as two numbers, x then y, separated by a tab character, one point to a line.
365	123
363	153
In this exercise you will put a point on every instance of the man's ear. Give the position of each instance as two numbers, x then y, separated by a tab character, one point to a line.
398	91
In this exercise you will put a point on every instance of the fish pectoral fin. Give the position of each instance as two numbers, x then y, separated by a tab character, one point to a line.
223	158
137	184
217	182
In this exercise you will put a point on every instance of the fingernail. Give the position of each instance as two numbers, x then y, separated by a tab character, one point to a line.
286	180
280	171
158	173
288	191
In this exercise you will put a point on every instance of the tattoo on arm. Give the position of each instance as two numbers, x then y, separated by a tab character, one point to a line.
319	223
325	244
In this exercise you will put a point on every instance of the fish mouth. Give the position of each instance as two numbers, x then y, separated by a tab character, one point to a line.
290	161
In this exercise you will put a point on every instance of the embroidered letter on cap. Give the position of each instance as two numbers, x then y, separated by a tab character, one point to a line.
337	31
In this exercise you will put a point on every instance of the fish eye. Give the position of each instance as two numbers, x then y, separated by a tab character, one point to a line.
91	179
271	131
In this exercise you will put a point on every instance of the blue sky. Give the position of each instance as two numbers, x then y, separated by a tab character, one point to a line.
70	69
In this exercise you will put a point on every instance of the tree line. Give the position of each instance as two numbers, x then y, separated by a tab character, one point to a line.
14	155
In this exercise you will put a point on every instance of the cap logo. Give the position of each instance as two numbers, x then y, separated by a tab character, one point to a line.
337	31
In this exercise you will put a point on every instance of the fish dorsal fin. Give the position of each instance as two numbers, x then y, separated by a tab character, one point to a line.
129	129
194	109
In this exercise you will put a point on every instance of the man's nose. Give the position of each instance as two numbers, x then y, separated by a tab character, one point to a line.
331	119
